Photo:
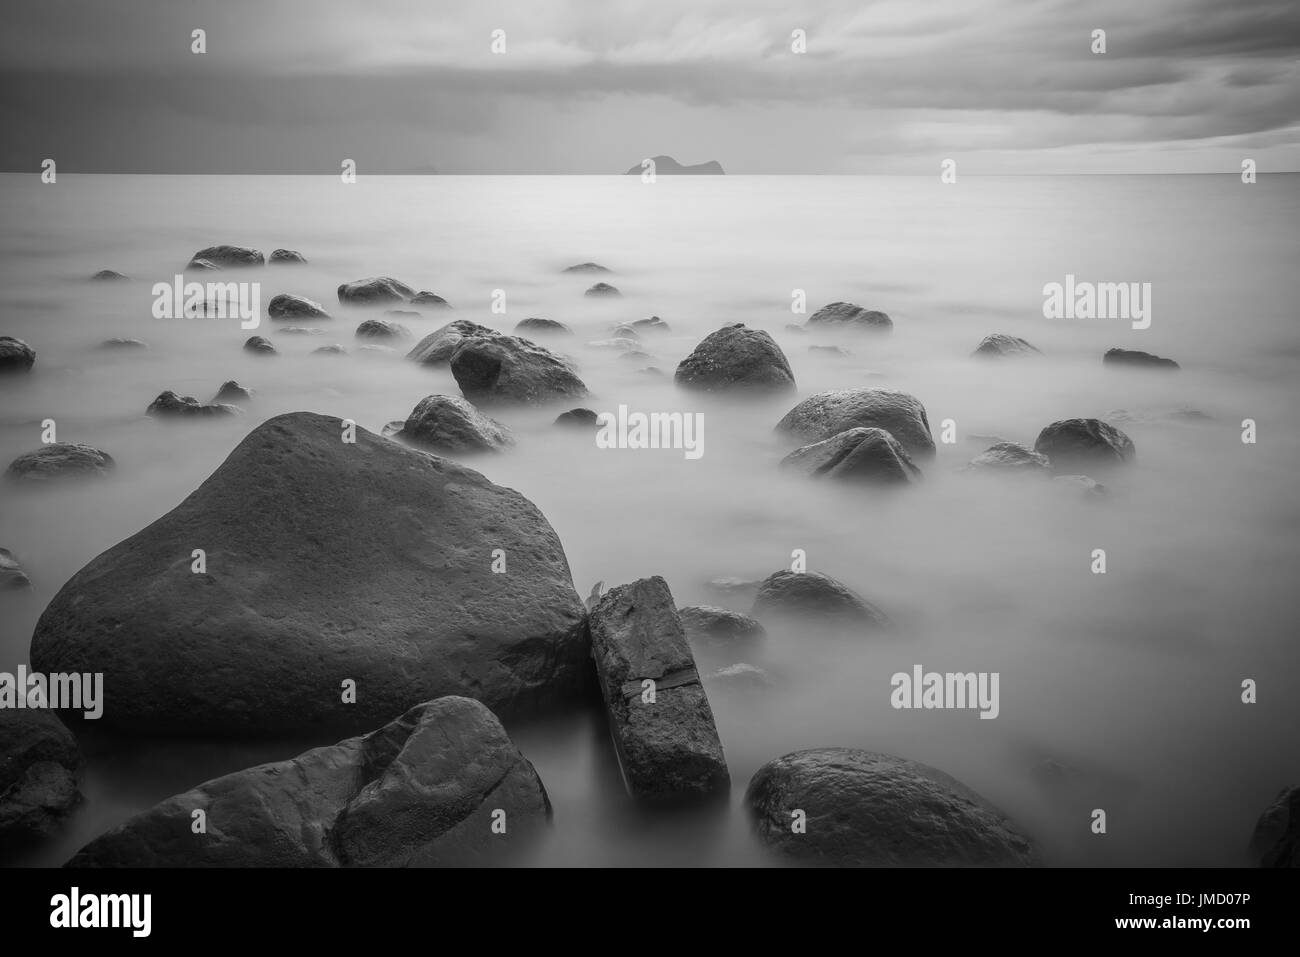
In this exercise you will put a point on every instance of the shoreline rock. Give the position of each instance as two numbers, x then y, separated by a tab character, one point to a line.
736	358
827	414
451	426
863	456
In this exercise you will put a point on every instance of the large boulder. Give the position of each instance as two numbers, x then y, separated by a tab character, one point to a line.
225	257
1136	359
1010	457
375	291
60	460
1276	839
15	355
437	347
735	358
171	405
866	456
421	791
39	770
827	414
863	809
849	316
286	306
451	426
1075	445
999	346
327	561
506	369
813	596
662	724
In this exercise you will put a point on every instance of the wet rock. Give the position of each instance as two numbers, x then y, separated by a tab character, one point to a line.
420	791
1076	444
402	313
229	257
326	561
15	355
602	289
39	771
542	327
827	414
577	419
232	391
667	742
1134	359
437	347
382	329
12	576
586	267
1276	839
813	596
870	456
202	265
652	326
392	428
107	275
998	346
116	343
60	460
849	317
426	298
451	426
287	257
707	624
375	291
171	405
260	346
333	349
500	370
285	306
735	358
1010	457
864	809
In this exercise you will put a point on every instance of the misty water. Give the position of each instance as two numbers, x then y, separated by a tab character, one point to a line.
1119	691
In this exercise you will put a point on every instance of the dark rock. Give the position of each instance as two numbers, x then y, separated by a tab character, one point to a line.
542	327
226	257
652	325
376	291
1276	839
507	369
232	391
848	316
1131	358
827	414
586	267
333	349
60	460
12	576
260	346
1073	444
116	343
813	596
667	166
39	770
1011	457
326	561
999	345
202	265
864	809
285	306
451	426
420	791
577	419
602	289
107	275
426	298
15	355
437	347
392	428
870	456
169	404
287	257
402	313
707	624
736	358
668	748
382	329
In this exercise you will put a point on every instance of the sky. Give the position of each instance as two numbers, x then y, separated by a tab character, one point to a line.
594	86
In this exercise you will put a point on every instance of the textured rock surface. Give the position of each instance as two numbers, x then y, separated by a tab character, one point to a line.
827	414
1276	839
39	769
287	257
259	345
15	355
1073	445
226	257
1010	457
285	306
849	316
60	460
534	326
708	624
437	347
451	426
375	291
867	456
12	575
813	596
998	346
171	405
501	370
736	358
1136	359
382	329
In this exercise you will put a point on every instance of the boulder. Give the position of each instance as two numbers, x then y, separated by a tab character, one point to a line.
227	257
333	349
602	289
1134	359
327	561
12	576
60	460
707	624
382	329
827	414
998	346
117	343
171	405
506	369
1077	444
375	291
653	325
426	298
232	391
1276	839
15	355
39	771
867	456
287	257
813	596
586	267
107	275
864	809
421	791
259	346
584	419
542	327
451	426
1010	457
438	346
848	317
667	743
201	265
285	306
735	358
624	330
402	313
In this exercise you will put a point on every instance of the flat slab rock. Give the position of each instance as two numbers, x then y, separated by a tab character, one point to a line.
668	748
419	792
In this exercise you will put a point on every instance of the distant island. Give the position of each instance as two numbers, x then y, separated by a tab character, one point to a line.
667	166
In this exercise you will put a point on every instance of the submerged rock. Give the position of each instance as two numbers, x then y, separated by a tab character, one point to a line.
116	343
864	809
506	369
653	325
1276	839
437	347
287	257
301	330
1010	457
602	289
39	771
15	355
421	791
736	358
327	561
870	456
848	316
1132	358
285	306
586	267
998	346
451	426
741	677
333	349
542	327
663	727
577	419
259	345
707	624
1074	444
426	298
232	391
201	265
227	257
813	596
375	291
12	576
1086	487
827	414
60	460
107	275
169	404
382	329
829	351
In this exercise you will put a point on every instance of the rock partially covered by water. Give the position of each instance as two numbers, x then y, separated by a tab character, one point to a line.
827	414
12	576
586	267
259	345
119	343
495	370
421	791
15	355
285	306
869	456
287	257
1086	488
382	329
710	625
813	596
542	327
60	460
848	316
375	291
864	809
232	391
437	347
736	358
1010	457
602	289
1276	839
432	301
39	770
201	265
577	419
333	349
451	426
169	405
327	561
227	257
1078	444
663	727
107	275
1135	359
999	346
651	326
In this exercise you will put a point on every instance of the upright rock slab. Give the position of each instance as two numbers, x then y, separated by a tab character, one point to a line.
326	561
660	718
